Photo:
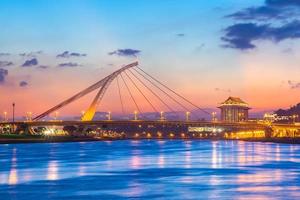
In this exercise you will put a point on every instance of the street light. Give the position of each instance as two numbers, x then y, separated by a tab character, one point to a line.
161	115
187	115
135	115
5	116
13	105
56	115
213	114
109	115
29	116
294	118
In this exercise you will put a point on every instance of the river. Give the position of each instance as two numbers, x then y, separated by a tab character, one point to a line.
150	169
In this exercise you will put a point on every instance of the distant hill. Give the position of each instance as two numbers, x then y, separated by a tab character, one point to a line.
294	110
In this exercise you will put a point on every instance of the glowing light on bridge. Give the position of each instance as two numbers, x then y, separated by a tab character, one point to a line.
161	115
187	115
109	116
5	116
56	115
159	134
135	115
29	116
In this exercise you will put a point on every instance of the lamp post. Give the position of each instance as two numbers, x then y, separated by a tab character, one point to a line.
109	115
30	116
213	116
187	115
294	118
135	115
56	115
161	115
5	116
13	114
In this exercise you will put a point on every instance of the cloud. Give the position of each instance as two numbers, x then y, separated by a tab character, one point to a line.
222	90
288	50
180	34
67	54
272	9
125	52
280	3
43	67
31	54
257	13
4	54
200	47
6	63
69	64
275	20
293	84
23	84
31	62
3	74
241	36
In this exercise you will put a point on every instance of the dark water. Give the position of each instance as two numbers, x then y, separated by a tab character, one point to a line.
150	170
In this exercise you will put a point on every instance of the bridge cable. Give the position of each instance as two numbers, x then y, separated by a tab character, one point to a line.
141	92
85	91
130	93
120	96
71	99
156	95
174	92
185	108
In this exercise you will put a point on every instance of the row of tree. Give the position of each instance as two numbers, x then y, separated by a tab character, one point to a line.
294	110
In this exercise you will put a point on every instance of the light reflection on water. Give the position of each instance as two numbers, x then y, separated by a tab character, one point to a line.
150	169
52	170
13	175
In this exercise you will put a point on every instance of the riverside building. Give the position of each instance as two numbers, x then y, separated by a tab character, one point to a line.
234	110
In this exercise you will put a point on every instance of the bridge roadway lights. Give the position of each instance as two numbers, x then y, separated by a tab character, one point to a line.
167	129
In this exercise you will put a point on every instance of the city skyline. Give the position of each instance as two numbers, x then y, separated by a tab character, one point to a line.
206	51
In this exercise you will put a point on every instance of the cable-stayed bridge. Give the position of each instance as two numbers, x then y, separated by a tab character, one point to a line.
135	81
140	88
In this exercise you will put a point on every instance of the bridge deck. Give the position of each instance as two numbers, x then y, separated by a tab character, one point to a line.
136	122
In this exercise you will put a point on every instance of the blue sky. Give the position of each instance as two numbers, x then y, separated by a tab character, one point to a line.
208	50
60	24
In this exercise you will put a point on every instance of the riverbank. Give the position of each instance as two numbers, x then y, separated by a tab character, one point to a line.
14	138
275	140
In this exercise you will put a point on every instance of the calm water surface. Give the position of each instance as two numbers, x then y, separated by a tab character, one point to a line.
150	169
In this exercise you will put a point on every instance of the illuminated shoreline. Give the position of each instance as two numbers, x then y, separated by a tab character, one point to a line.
4	139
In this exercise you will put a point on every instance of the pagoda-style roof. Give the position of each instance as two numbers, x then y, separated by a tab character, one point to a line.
234	101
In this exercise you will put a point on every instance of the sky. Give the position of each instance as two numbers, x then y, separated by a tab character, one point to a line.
205	50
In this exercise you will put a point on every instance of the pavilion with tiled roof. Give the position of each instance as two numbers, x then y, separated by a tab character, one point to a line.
234	109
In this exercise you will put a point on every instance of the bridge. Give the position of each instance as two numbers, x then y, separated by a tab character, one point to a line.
158	96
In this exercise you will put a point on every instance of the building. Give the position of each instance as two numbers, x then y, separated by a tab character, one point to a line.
234	110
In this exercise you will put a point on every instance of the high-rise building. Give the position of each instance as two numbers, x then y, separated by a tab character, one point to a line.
234	110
